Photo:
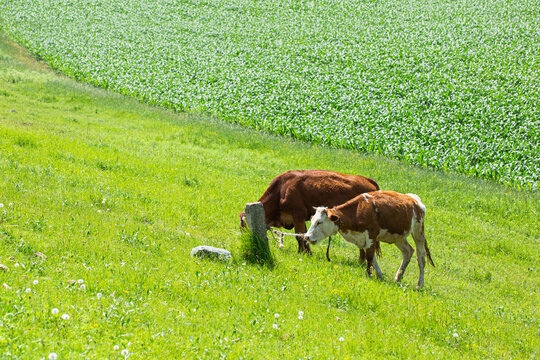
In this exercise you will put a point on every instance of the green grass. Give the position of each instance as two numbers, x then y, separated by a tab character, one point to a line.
116	193
256	250
451	85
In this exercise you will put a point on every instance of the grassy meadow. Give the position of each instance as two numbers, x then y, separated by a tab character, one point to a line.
451	85
112	195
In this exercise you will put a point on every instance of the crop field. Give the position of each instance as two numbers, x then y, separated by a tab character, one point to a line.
102	198
452	85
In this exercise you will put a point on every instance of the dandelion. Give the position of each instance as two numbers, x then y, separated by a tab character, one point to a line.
335	266
10	204
16	265
55	311
455	334
300	317
28	290
82	287
99	295
53	356
125	352
1	205
65	316
276	315
299	259
35	282
80	281
116	347
275	326
341	339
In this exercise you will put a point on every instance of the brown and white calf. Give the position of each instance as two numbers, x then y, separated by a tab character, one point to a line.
290	198
385	216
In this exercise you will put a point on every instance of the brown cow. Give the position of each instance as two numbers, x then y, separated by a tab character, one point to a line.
291	197
385	216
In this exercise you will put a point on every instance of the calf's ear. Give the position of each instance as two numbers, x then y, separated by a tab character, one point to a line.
332	215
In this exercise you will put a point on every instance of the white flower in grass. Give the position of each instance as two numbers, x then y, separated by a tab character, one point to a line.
55	311
300	313
82	287
341	339
10	204
300	317
99	295
276	315
275	326
455	334
35	282
80	281
125	352
1	205
53	356
65	316
28	290
116	347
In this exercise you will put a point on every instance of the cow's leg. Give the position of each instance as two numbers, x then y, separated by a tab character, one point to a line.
372	262
420	242
300	228
407	252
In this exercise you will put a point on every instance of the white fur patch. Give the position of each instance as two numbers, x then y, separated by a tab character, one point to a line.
418	201
360	239
387	237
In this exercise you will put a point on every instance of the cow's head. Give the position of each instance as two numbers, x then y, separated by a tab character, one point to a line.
324	223
242	217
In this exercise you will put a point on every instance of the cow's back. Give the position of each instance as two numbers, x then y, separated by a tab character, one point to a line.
298	191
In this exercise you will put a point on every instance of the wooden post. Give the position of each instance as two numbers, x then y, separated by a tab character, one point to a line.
256	221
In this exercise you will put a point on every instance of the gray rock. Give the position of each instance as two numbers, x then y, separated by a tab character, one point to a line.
211	252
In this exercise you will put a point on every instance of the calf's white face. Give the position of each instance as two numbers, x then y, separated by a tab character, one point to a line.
321	227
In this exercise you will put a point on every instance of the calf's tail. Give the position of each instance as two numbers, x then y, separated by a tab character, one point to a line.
428	254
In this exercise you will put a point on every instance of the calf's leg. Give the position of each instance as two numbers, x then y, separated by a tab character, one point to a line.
407	252
421	245
372	262
362	256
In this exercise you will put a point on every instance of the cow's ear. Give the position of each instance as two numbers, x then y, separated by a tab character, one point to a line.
332	215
